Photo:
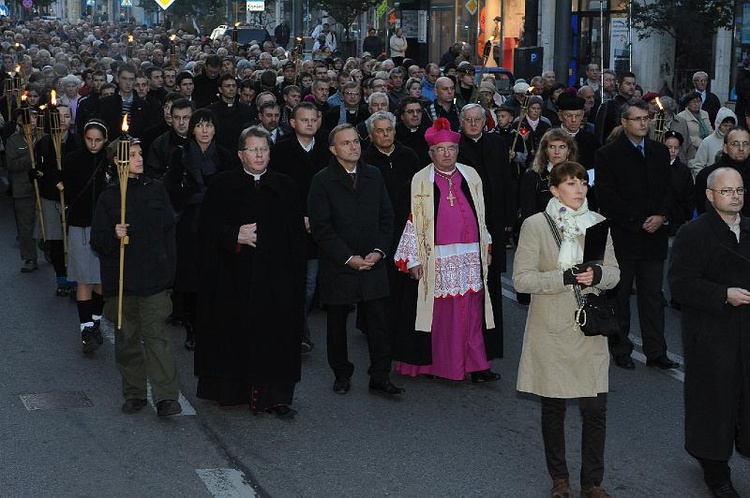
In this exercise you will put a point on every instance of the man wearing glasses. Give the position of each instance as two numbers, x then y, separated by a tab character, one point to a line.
251	221
709	277
736	150
634	192
410	129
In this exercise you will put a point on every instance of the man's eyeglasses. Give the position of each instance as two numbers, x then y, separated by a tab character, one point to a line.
473	120
739	145
256	150
730	191
450	149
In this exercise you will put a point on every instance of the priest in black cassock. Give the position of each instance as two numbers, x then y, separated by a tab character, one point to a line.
481	150
571	118
253	285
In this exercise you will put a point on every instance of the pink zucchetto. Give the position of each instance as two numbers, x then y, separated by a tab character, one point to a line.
440	131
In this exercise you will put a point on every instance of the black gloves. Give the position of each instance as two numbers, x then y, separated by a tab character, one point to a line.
569	278
35	174
569	275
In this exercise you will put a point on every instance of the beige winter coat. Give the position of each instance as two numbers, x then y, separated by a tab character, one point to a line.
558	360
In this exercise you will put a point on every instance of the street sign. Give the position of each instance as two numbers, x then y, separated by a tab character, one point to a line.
126	3
4	10
164	4
471	6
255	5
27	4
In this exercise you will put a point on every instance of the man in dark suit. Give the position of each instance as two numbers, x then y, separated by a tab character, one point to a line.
207	84
232	115
482	151
711	103
634	192
352	221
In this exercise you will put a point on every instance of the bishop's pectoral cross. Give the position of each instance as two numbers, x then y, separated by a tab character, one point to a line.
451	197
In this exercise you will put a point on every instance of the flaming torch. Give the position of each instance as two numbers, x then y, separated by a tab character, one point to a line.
56	132
129	51
122	160
522	115
173	50
28	131
235	37
660	125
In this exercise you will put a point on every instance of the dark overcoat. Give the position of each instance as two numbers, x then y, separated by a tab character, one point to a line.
250	304
350	219
630	188
706	260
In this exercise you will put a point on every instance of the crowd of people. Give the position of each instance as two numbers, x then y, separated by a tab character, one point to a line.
260	185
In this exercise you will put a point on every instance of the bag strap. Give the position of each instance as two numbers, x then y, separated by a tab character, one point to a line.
558	238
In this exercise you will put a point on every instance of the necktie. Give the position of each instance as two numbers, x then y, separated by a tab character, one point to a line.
640	149
353	177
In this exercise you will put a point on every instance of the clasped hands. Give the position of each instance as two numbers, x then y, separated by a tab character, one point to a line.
653	223
363	264
737	296
248	235
585	278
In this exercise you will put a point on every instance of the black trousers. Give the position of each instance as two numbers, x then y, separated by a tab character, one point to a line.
648	275
594	431
378	339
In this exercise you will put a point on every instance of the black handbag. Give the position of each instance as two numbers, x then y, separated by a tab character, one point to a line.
596	313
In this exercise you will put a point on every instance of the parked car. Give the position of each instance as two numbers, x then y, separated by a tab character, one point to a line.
504	78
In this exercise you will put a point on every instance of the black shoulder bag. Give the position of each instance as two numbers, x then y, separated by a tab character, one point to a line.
595	314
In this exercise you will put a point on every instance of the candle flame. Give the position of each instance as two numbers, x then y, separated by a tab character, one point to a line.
53	97
18	44
125	126
658	102
237	24
173	37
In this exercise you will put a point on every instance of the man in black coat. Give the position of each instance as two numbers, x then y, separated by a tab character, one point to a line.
207	84
633	181
232	115
410	130
485	153
352	221
735	154
608	114
301	155
711	103
112	109
160	152
708	276
250	312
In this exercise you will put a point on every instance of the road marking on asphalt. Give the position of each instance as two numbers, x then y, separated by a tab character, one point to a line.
636	354
226	483
108	331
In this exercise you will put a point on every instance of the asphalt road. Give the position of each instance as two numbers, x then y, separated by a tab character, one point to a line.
62	433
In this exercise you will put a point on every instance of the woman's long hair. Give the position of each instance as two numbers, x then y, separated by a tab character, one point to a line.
554	135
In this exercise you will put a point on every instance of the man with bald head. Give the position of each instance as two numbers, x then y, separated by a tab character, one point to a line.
709	278
444	106
735	155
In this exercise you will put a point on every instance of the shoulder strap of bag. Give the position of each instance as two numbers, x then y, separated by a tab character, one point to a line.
558	238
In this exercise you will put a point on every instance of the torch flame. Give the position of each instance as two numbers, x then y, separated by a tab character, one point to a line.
237	24
658	102
530	90
53	97
125	126
18	69
130	38
173	37
24	96
42	107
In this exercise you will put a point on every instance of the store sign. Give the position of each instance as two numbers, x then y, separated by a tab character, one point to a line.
164	4
255	5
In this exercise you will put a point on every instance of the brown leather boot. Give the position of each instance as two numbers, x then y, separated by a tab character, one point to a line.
594	492
560	489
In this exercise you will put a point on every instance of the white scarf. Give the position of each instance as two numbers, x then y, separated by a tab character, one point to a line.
572	224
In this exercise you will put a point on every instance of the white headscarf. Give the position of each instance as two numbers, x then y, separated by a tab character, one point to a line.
572	224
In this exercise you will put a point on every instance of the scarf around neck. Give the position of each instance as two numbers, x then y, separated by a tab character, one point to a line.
572	224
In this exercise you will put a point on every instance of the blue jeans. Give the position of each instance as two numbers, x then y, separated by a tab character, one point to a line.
310	283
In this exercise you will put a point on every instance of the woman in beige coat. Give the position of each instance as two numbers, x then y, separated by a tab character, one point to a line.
558	361
698	123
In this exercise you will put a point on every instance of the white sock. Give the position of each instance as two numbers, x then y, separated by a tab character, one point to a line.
87	324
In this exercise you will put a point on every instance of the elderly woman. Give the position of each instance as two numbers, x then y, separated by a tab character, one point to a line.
193	167
558	362
698	124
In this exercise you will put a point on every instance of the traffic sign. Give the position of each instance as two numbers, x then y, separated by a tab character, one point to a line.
471	6
164	4
126	3
27	4
255	5
4	10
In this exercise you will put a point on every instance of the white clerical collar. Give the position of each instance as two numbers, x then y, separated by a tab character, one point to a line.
571	133
256	176
307	148
475	139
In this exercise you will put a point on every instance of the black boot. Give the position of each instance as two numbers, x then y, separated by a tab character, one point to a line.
189	336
